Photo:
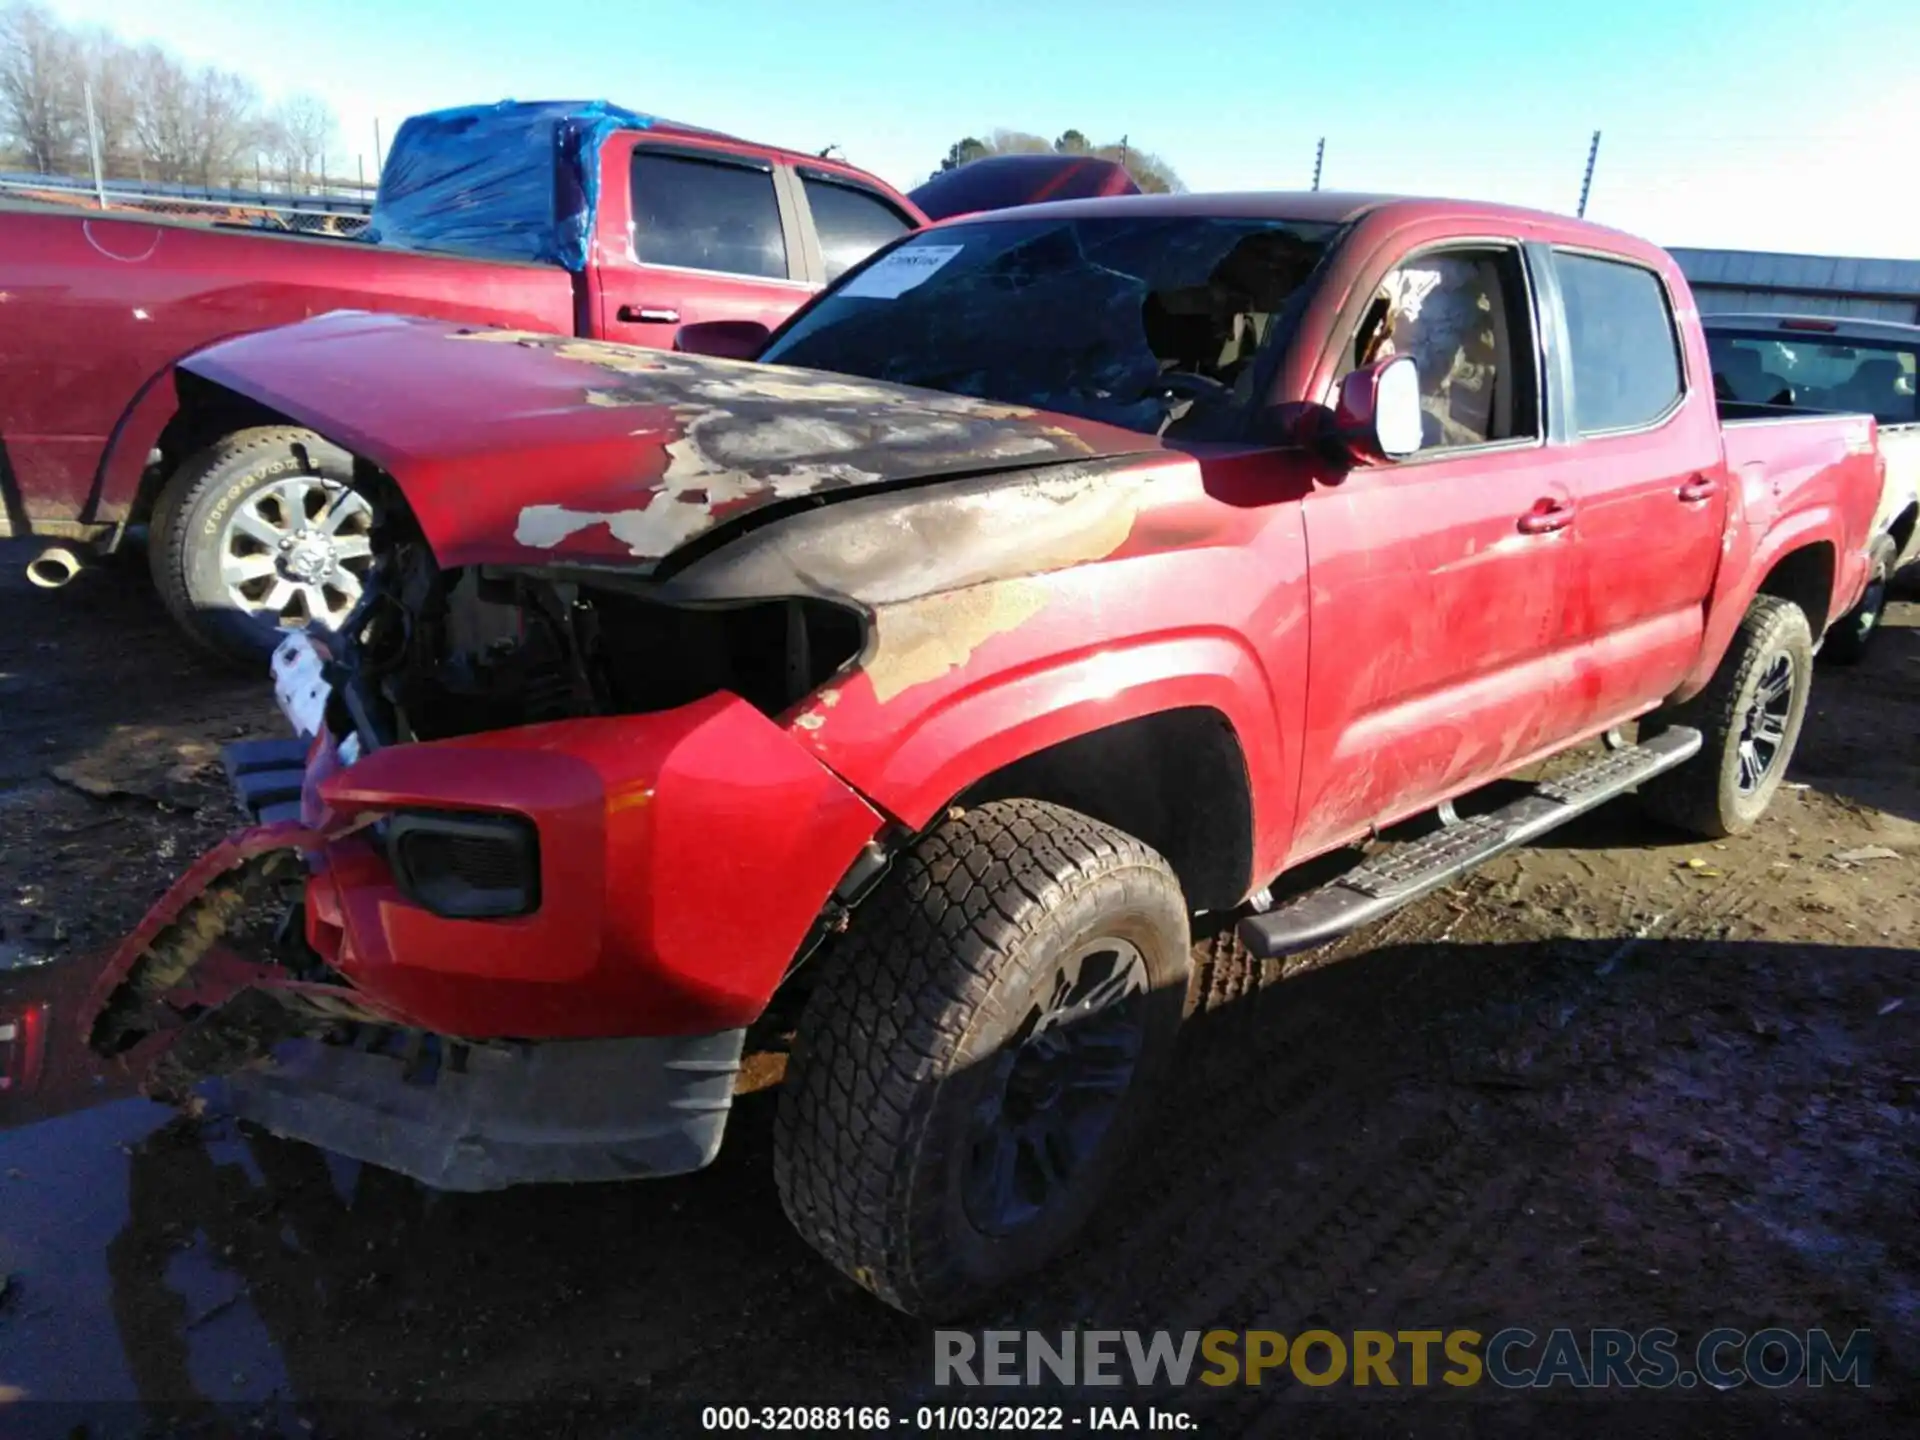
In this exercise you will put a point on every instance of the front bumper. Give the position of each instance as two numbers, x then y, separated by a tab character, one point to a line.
685	857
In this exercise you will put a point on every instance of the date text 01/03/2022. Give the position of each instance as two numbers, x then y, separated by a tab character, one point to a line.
987	1419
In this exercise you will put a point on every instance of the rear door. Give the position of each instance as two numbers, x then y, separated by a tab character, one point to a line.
712	235
1437	583
1650	484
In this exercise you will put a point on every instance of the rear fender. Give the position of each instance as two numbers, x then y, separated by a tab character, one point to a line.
142	426
1745	568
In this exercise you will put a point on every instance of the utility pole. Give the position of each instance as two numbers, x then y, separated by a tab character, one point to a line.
1586	184
93	146
1125	155
1319	158
379	155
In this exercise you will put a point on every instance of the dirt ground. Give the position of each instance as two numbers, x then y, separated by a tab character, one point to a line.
1619	1079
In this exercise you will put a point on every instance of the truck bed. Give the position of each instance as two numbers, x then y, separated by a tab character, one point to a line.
99	308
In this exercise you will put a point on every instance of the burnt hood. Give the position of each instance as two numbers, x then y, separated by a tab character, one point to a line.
520	448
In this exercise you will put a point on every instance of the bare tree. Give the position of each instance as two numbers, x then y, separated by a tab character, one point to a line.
105	65
40	109
299	135
163	119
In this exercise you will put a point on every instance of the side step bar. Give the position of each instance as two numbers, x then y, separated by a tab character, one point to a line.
1378	886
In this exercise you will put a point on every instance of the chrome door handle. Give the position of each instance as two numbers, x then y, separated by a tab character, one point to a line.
648	315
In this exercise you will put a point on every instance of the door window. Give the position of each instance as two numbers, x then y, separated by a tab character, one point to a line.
1626	351
851	223
1463	317
706	215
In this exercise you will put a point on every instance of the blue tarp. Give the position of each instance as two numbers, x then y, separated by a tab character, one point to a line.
512	181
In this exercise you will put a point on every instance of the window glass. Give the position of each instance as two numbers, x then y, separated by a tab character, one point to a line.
1626	354
706	216
1812	373
1154	322
851	224
1462	316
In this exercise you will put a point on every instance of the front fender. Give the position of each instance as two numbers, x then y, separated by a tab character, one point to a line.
967	735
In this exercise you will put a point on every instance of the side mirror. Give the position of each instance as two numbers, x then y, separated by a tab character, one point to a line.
727	339
1377	418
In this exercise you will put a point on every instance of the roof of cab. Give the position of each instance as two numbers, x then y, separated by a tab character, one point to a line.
1333	207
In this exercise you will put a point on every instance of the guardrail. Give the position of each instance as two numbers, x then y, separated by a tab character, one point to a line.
312	215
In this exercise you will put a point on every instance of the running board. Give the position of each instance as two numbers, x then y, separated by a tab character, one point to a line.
1378	886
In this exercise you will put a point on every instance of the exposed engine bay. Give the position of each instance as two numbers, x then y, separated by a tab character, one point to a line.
431	654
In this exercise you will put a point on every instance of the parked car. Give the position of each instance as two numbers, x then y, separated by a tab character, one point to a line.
1001	182
573	218
1778	364
1056	575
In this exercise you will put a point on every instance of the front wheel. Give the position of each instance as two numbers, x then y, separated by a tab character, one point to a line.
1750	714
1850	636
261	533
983	1043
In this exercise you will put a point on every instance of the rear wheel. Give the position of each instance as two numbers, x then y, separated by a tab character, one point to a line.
1849	638
1750	714
971	1065
261	533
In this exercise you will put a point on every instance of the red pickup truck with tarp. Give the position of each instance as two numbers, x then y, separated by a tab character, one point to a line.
573	218
1054	575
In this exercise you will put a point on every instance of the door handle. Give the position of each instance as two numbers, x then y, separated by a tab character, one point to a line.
1700	487
649	315
1547	516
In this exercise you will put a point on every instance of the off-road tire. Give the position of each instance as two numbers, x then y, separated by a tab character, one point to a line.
896	1043
183	533
1704	795
1851	636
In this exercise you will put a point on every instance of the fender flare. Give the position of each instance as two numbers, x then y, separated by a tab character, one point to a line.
123	463
972	734
1819	525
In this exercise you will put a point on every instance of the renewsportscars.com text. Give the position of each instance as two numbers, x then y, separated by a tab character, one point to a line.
1514	1358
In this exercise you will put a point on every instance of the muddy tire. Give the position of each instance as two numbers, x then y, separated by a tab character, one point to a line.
1750	714
1851	636
981	1046
259	533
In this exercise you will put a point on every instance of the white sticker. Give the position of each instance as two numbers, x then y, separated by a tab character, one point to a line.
893	275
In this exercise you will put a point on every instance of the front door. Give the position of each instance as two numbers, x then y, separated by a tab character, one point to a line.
1438	582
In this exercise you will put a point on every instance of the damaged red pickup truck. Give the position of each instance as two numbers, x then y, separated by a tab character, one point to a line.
1056	575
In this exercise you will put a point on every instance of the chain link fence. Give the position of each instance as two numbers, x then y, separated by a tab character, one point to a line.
338	216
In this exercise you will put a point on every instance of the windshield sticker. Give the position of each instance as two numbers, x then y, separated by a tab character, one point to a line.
893	275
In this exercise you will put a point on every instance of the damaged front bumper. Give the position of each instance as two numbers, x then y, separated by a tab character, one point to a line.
680	861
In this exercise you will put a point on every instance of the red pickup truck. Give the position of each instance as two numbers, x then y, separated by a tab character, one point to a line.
1055	575
579	219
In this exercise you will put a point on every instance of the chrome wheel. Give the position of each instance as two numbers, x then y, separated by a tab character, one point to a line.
1763	730
297	551
1056	1087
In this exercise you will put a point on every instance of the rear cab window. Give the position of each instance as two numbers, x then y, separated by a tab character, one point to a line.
1624	343
851	222
700	212
1811	371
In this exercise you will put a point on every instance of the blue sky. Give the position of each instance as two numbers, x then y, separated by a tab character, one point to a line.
1744	123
